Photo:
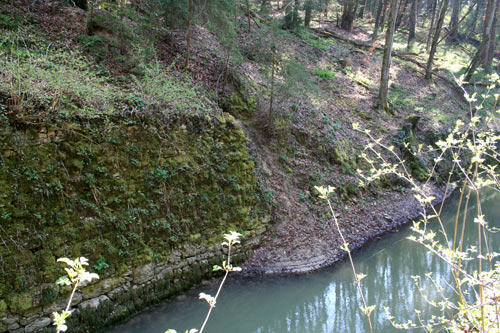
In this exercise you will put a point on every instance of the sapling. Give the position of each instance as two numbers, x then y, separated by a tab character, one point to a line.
231	238
76	274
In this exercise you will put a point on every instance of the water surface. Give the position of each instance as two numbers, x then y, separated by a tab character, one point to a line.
324	301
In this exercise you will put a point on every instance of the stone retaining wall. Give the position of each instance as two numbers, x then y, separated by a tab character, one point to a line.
114	298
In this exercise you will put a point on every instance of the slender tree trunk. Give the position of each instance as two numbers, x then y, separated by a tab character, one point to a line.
482	50
384	14
435	39
413	24
492	40
431	28
382	102
362	9
488	20
401	13
378	19
188	37
308	6
454	19
473	24
247	2
373	7
273	68
287	6
326	4
296	17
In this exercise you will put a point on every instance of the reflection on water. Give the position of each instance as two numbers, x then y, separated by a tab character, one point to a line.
325	301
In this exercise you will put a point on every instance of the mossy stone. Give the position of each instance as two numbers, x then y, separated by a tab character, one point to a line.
20	302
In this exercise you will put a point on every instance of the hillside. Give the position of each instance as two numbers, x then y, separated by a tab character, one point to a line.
112	150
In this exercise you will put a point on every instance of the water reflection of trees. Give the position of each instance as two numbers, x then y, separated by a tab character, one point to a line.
327	301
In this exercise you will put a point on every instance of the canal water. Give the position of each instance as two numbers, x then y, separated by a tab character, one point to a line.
323	301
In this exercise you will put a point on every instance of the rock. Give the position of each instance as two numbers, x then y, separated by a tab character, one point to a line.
10	320
14	326
37	325
77	299
29	318
49	309
94	302
115	293
101	287
164	273
144	273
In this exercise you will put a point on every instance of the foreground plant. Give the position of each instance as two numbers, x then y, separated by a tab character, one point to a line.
471	149
76	275
324	193
231	238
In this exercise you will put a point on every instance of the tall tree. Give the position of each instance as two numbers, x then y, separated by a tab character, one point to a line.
381	8
482	50
435	39
431	27
473	22
348	14
362	9
454	19
488	60
188	35
308	7
265	7
413	24
403	6
382	102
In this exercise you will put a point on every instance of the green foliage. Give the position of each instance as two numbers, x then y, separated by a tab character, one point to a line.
52	82
292	21
8	22
324	74
101	264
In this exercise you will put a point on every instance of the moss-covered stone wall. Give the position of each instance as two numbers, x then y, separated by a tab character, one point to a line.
121	193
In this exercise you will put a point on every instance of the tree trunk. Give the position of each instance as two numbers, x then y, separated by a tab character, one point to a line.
493	39
287	6
348	14
384	14
482	51
454	19
378	19
273	64
401	13
473	24
308	6
264	7
373	7
413	24
188	37
326	4
435	39
431	28
362	9
382	102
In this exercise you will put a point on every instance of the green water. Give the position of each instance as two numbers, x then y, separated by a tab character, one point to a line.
324	301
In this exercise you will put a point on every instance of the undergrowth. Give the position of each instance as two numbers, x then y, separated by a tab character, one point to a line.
43	80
